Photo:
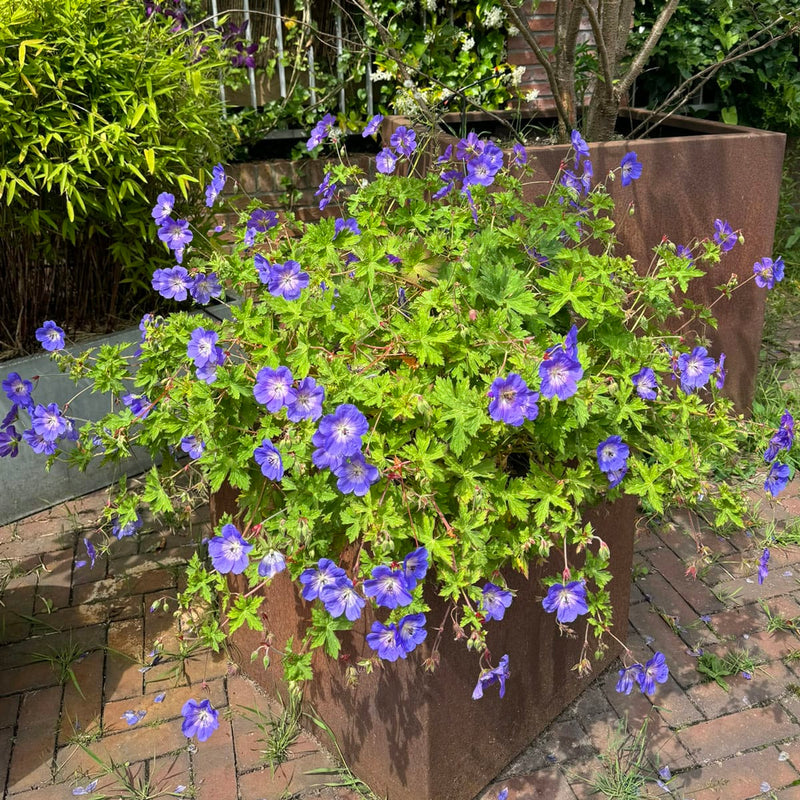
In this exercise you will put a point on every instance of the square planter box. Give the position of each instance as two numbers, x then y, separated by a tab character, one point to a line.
695	171
413	734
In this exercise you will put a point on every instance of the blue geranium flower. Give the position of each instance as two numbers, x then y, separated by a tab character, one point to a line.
388	587
269	459
695	369
341	431
768	272
612	454
315	579
200	719
355	475
383	639
18	390
411	631
566	600
631	169
372	126
273	387
512	401
495	601
287	280
654	671
724	235
777	479
228	551
415	565
271	564
499	674
341	597
645	383
50	336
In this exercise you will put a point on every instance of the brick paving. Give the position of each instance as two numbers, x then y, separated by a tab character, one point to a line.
57	622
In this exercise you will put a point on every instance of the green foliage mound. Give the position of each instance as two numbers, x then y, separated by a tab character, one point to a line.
100	109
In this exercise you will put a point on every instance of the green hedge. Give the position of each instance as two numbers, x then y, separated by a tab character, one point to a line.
100	109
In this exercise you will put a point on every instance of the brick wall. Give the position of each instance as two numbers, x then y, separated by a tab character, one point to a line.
286	185
542	25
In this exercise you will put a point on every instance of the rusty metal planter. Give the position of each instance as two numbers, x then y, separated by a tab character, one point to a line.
417	735
695	171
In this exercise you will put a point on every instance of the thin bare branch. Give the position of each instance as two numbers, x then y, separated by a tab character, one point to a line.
694	82
605	65
530	40
640	59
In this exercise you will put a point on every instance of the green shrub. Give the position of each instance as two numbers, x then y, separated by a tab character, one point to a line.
100	109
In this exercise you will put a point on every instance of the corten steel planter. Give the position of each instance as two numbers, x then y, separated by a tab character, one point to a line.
695	171
417	735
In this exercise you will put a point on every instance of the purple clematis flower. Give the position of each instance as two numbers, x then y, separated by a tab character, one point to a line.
566	600
199	719
228	551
